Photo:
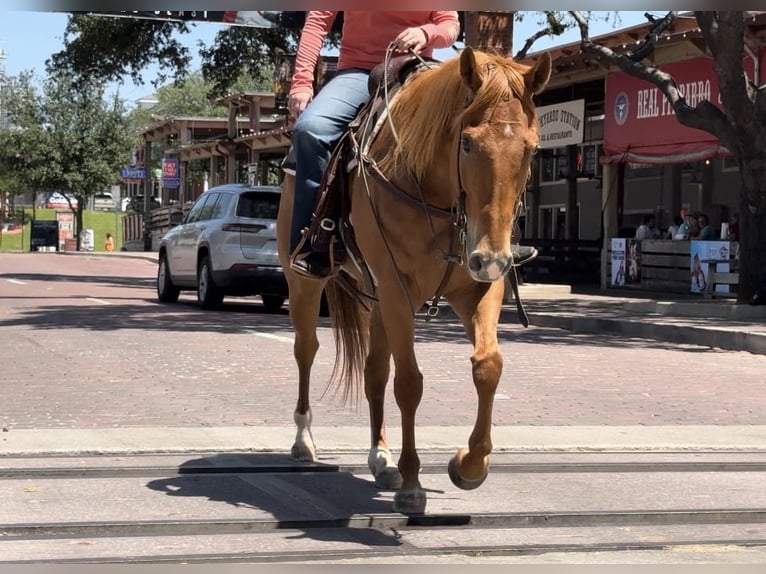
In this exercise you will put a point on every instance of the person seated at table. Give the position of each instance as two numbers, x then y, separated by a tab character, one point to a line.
707	233
673	229
647	229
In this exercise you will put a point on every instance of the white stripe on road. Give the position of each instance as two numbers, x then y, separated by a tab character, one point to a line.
16	281
98	301
275	337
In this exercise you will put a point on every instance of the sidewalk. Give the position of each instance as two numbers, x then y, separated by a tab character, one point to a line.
716	323
710	323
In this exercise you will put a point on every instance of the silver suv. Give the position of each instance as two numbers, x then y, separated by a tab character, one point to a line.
226	245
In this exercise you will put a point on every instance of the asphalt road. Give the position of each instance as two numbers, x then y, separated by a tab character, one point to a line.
86	345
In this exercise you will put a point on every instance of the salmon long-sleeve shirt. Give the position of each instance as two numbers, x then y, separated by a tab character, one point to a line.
364	39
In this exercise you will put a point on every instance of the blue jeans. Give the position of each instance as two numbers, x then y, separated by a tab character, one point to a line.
315	134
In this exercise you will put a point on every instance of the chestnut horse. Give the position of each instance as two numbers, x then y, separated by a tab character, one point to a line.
460	136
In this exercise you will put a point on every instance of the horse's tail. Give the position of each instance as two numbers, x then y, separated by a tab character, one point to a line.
351	330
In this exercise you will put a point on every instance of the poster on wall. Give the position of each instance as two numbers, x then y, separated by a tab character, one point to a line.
700	253
618	261
632	261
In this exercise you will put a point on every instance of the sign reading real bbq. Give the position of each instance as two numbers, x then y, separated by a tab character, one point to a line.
640	124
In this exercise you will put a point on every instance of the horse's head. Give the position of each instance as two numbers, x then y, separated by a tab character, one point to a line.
495	141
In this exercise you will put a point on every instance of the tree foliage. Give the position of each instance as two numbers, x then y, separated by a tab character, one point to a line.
101	48
66	136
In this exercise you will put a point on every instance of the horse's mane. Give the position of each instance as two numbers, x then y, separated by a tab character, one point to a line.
431	105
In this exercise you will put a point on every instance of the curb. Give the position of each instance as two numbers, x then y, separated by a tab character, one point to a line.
146	255
730	340
179	440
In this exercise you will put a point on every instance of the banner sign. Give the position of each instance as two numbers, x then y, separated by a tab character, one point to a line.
701	254
170	175
640	125
561	124
254	19
626	262
133	173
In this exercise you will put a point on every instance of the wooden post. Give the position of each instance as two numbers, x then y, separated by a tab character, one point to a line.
148	188
490	32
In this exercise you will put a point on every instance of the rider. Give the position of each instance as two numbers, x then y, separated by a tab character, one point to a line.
322	119
364	41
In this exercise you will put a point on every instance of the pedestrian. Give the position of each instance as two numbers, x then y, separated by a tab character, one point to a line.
109	243
323	117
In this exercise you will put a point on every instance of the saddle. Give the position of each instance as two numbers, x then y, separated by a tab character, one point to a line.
330	230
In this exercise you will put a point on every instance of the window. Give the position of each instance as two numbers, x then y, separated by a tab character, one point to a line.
554	163
196	209
258	205
207	209
222	205
553	222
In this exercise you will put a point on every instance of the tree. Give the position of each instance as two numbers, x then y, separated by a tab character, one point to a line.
66	137
107	49
740	125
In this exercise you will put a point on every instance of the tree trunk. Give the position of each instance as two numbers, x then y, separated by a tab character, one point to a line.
78	222
752	228
490	32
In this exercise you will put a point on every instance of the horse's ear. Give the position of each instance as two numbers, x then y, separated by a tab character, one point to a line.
537	77
469	70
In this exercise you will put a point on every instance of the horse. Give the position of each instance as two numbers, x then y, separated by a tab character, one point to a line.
459	139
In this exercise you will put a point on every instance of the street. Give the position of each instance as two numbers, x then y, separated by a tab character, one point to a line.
139	432
86	345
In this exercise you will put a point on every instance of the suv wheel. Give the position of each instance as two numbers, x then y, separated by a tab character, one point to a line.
273	303
166	291
209	296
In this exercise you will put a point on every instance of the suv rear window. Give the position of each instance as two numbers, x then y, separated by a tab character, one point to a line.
258	205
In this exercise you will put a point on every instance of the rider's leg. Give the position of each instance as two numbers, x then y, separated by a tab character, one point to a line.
315	133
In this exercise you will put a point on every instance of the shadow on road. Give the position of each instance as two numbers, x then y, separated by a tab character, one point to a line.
144	282
245	317
318	500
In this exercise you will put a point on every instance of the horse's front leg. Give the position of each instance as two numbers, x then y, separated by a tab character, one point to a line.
399	326
377	369
479	309
305	300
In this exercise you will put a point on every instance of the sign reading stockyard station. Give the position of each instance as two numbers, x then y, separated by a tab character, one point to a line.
561	124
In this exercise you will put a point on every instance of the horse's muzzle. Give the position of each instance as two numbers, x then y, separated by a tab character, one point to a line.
488	268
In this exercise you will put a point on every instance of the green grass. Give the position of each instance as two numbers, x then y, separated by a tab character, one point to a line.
101	222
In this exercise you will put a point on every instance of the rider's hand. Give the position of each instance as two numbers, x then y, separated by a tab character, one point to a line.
297	103
410	39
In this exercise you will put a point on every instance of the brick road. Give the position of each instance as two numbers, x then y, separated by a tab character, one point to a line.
85	345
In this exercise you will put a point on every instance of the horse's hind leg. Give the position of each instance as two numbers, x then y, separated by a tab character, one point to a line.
479	310
377	369
305	300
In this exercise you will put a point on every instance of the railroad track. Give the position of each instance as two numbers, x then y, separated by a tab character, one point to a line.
259	507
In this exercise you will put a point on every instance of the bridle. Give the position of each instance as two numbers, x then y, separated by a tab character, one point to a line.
456	214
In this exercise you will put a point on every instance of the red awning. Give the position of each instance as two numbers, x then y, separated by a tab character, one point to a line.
640	125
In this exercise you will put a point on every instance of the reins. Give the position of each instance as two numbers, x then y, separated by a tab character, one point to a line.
457	215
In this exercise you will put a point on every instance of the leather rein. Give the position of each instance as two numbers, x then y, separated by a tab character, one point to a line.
456	215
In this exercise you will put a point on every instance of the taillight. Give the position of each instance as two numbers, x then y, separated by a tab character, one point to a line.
243	227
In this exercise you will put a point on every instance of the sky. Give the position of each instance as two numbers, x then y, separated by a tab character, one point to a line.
30	38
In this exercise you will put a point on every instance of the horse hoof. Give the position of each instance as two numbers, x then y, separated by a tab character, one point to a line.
388	479
410	501
459	481
303	453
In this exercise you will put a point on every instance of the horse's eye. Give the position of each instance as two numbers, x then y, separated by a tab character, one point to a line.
466	143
